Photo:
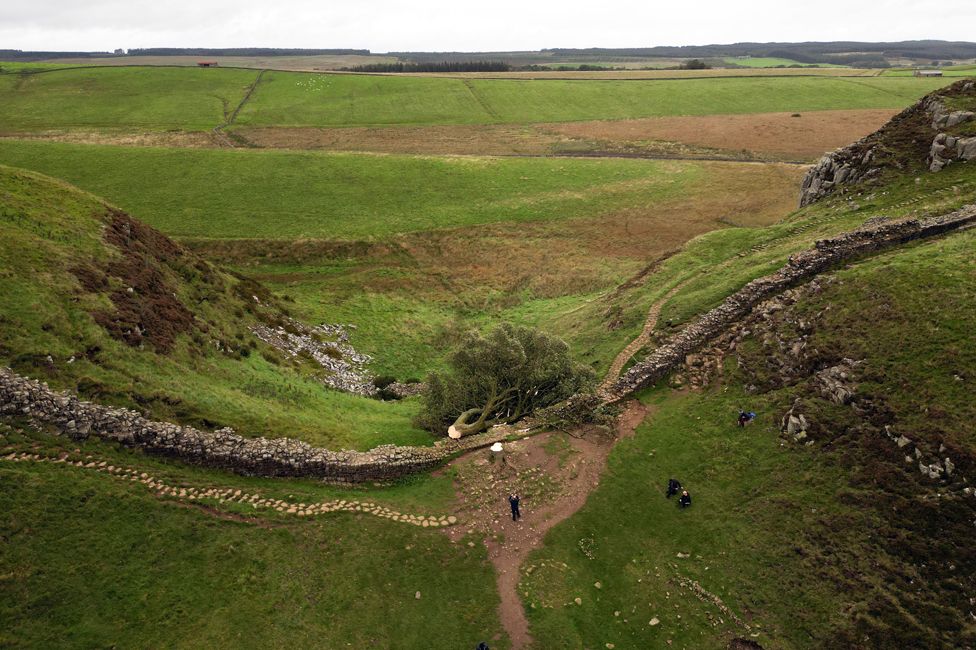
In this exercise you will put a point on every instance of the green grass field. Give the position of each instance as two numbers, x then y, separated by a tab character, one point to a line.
155	99
89	560
288	99
121	98
291	195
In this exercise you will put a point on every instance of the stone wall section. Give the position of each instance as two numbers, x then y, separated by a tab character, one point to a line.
801	267
223	449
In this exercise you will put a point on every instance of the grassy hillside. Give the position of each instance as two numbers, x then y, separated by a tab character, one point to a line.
226	194
80	280
289	99
153	99
121	98
409	248
841	544
91	560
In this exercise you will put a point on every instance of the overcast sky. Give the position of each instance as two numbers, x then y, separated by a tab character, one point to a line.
455	25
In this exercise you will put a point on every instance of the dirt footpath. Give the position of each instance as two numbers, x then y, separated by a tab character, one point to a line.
553	473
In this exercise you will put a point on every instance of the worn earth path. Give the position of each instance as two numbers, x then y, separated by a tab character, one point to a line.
554	474
642	339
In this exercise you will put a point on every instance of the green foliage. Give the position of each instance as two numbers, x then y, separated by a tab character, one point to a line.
501	377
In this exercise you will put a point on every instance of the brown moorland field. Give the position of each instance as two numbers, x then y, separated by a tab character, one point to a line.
803	137
769	136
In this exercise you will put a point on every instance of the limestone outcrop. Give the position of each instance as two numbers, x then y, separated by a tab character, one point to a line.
898	144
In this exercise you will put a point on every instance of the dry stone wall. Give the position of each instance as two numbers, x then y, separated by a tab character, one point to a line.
224	449
801	267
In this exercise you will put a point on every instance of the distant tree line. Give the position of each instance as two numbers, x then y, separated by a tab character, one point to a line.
19	55
239	51
826	52
443	66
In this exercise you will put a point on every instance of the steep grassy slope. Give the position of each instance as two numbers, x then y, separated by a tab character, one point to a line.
97	302
842	544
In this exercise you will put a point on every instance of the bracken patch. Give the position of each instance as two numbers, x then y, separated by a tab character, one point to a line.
146	308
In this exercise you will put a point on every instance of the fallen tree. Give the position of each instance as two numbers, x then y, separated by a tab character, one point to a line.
500	378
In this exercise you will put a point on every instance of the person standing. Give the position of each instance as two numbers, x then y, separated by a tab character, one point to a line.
673	487
514	500
684	500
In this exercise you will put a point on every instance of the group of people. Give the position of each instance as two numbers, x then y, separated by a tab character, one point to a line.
674	487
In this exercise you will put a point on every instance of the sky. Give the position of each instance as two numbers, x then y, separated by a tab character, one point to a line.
442	25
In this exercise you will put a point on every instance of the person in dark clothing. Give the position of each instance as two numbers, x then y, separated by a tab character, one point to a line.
673	487
514	500
482	646
684	500
743	418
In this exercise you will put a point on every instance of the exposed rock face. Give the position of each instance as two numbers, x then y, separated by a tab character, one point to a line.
328	345
946	148
801	267
402	391
21	397
898	144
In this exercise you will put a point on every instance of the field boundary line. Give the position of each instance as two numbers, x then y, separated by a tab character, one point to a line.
218	130
478	98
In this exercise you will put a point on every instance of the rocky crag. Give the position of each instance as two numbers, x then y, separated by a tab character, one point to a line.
928	135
